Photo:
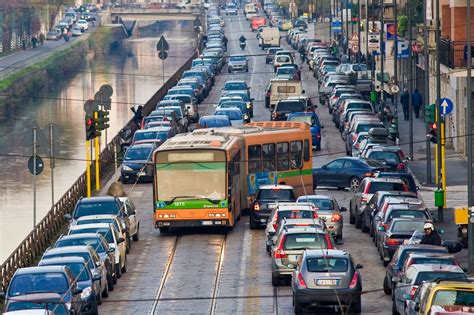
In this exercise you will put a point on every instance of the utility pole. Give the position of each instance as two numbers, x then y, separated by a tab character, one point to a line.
470	229
382	61
426	54
358	31
395	57
439	117
410	80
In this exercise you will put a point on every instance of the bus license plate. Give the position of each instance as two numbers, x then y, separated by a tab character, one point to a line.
206	222
327	282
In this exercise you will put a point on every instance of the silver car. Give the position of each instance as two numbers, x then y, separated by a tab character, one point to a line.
329	211
326	277
238	63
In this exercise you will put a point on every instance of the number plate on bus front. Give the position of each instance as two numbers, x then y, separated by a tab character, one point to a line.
206	222
326	282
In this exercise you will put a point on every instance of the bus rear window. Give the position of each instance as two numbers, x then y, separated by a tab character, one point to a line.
286	89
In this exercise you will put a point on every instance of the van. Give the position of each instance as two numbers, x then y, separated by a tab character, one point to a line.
250	10
282	90
270	37
257	21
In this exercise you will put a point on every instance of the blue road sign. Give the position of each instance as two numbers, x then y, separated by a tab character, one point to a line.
446	106
336	26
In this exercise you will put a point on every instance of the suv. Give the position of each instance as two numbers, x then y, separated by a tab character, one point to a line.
289	246
267	198
238	63
325	277
284	107
271	53
367	188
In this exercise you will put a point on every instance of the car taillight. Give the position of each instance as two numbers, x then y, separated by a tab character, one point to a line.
301	282
329	243
279	253
385	226
354	137
392	241
274	115
336	217
367	188
275	221
400	167
256	206
412	291
369	174
363	200
315	215
355	279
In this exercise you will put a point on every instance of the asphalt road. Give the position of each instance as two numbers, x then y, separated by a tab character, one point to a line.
210	272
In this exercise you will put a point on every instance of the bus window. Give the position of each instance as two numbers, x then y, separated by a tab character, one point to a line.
296	152
268	157
282	156
254	153
306	151
235	167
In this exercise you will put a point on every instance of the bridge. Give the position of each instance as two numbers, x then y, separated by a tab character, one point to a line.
140	14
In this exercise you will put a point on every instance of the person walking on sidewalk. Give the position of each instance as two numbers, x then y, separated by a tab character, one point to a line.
417	100
404	100
34	41
41	38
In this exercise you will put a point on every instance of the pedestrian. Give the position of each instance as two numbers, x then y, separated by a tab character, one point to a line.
417	101
41	39
34	41
431	236
404	100
224	40
23	44
138	115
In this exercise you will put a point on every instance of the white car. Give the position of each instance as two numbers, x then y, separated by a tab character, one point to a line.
76	31
133	223
83	24
110	233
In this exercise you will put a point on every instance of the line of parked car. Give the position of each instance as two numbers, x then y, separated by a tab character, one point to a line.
76	273
76	20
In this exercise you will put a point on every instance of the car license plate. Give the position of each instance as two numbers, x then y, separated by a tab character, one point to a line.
327	282
206	222
271	206
263	220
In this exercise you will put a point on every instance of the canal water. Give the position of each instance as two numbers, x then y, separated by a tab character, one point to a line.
135	73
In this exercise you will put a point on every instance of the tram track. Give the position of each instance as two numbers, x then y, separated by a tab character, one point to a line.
215	290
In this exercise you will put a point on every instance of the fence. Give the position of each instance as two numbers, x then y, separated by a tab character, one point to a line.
453	54
33	246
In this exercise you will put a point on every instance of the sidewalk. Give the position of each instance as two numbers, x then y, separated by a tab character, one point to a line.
24	58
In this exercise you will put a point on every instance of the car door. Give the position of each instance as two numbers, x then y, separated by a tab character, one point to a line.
347	171
132	216
329	173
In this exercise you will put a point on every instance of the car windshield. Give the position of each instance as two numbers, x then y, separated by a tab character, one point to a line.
232	114
104	220
38	282
243	95
214	122
312	120
432	260
283	58
78	271
150	135
235	86
296	214
95	208
95	243
321	204
106	233
238	58
385	186
286	70
238	105
367	126
385	156
296	106
305	240
407	226
359	67
453	298
408	214
431	276
138	153
50	304
276	194
327	264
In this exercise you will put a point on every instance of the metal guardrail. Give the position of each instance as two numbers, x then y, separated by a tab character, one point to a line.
33	246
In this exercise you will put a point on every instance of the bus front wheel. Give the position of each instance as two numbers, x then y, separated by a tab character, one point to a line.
164	230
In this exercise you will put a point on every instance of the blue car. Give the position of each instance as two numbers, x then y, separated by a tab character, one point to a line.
313	120
214	121
345	171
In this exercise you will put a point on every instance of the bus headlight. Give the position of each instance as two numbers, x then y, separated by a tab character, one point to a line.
167	216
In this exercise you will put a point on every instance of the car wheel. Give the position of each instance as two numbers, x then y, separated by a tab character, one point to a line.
394	309
136	237
124	268
275	281
356	307
358	222
105	293
110	282
318	147
253	224
127	244
351	218
298	308
123	180
354	183
386	288
365	229
118	269
99	298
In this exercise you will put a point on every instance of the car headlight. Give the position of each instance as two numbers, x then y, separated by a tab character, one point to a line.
246	116
126	168
248	105
86	293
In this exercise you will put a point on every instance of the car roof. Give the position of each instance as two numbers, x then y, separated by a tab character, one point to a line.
261	187
316	197
238	55
384	180
235	81
295	206
213	117
434	254
97	216
98	198
90	226
436	267
423	246
141	145
40	269
305	229
157	128
69	249
79	236
310	253
63	260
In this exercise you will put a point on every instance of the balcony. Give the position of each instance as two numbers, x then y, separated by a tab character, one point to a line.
453	54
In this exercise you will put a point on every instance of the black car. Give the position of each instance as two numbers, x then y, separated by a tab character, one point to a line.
266	200
344	172
284	107
271	53
406	177
134	166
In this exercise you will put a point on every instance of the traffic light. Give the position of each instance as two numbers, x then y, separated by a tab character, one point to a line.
102	120
433	133
430	113
91	131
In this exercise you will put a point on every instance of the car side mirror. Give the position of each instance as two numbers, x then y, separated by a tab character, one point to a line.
359	266
120	240
452	246
2	296
270	243
343	209
395	279
77	291
322	126
68	216
96	277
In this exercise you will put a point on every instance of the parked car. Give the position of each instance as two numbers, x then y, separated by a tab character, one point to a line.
345	172
37	304
77	31
389	155
135	165
326	277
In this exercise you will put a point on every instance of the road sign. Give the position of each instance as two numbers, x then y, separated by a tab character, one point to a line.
374	41
163	54
403	49
162	44
446	106
39	165
336	26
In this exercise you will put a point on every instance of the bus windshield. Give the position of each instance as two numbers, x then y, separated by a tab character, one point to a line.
178	172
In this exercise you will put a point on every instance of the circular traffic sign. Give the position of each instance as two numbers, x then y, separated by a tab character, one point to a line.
446	106
39	164
163	54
